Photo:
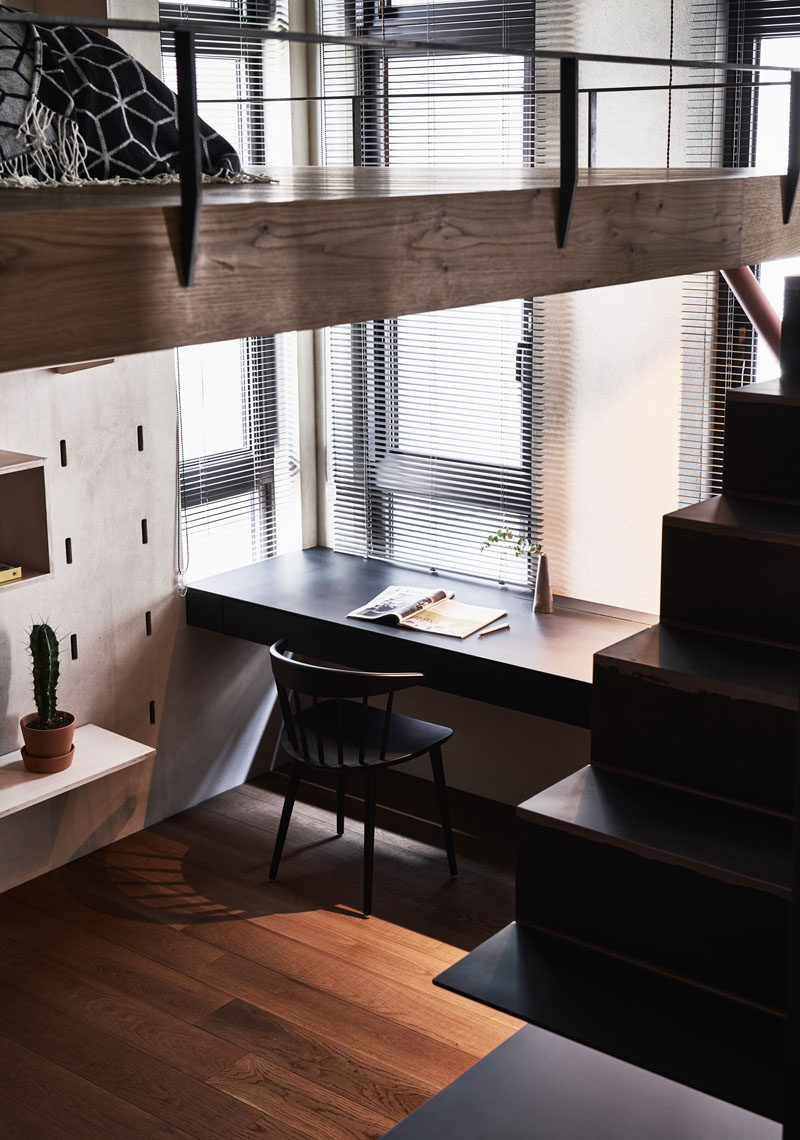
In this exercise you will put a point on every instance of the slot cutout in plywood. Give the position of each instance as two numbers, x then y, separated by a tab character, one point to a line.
24	525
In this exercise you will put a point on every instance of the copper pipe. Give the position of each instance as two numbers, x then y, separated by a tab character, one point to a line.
748	292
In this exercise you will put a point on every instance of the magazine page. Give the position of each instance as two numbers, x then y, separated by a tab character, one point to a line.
396	603
453	619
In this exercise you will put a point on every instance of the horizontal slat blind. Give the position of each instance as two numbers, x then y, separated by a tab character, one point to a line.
433	453
238	421
435	420
766	18
239	449
237	77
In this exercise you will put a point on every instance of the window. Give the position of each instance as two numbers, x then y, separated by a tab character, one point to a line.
433	417
238	447
772	133
721	349
761	31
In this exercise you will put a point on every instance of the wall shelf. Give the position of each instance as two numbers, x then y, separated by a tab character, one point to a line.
98	753
24	523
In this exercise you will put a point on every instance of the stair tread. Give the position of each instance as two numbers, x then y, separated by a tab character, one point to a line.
537	1086
688	659
778	390
741	518
726	841
719	1046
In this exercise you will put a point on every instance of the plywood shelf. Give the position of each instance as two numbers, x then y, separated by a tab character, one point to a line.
98	753
329	245
24	524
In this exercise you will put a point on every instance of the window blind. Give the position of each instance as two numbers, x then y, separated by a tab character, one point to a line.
237	400
236	78
435	420
738	127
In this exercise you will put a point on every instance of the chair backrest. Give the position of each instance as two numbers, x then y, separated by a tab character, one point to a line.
302	689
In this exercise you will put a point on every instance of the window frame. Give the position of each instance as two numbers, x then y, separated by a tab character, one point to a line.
749	23
374	352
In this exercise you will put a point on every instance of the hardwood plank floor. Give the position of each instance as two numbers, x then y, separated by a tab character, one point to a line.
164	987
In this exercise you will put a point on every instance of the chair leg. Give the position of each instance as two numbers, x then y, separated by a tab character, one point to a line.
444	811
340	802
369	837
286	815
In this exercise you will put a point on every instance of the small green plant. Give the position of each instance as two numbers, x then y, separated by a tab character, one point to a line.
518	543
44	654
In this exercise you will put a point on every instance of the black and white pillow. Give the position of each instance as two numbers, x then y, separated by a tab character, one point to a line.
75	106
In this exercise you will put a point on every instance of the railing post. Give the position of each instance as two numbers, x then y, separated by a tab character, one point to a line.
191	171
592	124
569	146
793	168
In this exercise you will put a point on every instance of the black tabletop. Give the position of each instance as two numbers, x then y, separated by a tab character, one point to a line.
542	664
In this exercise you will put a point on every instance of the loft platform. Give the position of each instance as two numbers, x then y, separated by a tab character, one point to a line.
329	245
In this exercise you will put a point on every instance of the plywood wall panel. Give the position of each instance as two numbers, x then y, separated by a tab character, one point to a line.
97	501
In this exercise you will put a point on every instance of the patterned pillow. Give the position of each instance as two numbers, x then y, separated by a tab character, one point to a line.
75	106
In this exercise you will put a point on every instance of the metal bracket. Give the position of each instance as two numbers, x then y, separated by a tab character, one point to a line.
569	146
191	170
793	169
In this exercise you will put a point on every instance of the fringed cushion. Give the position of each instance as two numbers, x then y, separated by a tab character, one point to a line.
76	107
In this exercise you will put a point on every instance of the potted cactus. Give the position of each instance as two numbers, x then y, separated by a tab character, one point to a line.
48	731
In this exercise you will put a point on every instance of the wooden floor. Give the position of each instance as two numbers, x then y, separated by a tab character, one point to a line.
164	987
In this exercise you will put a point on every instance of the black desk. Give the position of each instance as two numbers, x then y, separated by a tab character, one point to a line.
541	665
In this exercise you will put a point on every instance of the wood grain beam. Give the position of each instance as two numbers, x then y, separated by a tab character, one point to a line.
89	273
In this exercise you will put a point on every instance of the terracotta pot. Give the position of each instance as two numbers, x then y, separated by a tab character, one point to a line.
47	749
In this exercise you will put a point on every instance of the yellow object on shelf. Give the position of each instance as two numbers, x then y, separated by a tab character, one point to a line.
8	572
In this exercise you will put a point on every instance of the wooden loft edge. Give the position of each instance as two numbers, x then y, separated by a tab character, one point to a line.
325	247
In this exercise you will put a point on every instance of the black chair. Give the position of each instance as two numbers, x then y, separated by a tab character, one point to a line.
332	730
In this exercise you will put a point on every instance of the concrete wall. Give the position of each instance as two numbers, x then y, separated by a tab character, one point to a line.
613	395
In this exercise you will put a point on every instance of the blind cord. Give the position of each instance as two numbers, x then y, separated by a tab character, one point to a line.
181	526
669	96
385	85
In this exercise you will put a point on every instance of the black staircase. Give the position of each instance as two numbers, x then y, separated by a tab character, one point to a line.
654	887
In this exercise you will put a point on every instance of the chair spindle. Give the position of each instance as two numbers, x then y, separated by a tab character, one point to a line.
298	712
387	724
339	731
362	738
318	729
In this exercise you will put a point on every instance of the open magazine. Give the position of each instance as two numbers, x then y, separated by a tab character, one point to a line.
431	613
